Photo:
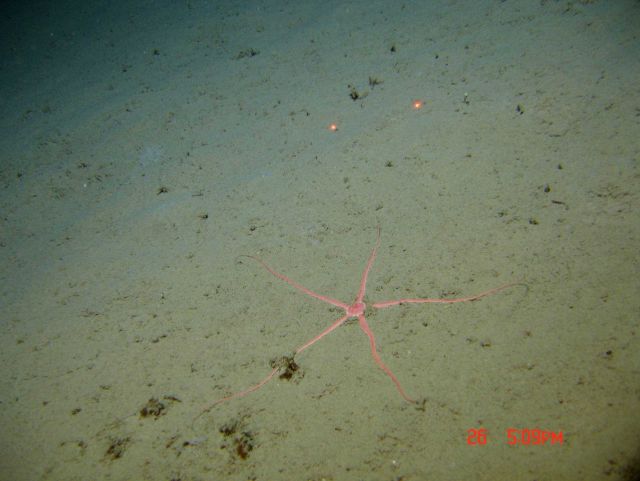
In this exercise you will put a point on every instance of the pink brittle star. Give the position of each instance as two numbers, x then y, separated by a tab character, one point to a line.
356	310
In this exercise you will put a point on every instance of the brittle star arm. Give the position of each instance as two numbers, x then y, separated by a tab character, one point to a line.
365	273
376	357
383	304
337	323
255	387
293	283
238	394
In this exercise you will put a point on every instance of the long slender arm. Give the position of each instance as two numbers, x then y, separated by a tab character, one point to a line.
376	357
300	287
365	274
383	304
333	326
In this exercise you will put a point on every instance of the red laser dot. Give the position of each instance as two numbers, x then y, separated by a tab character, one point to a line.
333	127
418	104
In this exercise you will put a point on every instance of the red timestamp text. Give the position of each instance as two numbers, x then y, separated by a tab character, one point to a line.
523	437
533	437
